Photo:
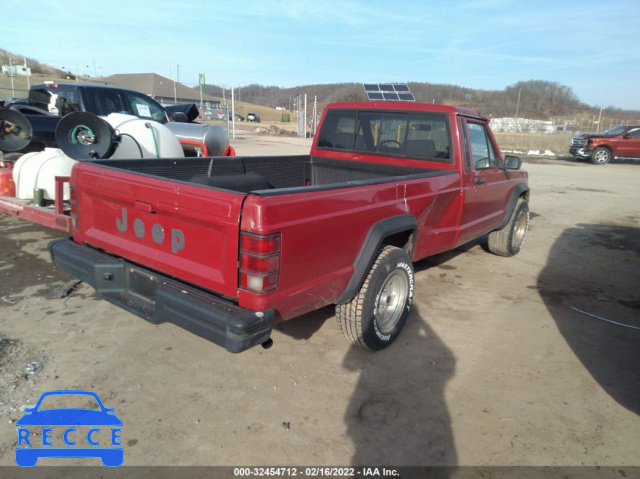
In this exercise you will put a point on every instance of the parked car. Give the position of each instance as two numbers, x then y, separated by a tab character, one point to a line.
618	142
213	115
253	117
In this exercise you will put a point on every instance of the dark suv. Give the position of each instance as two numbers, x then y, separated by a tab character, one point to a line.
253	117
63	98
619	142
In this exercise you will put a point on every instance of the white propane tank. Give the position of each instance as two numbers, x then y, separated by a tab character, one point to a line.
39	170
155	139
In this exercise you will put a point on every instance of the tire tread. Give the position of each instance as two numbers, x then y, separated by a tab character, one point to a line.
499	241
349	315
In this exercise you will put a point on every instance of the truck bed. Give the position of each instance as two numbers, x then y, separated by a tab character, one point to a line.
271	175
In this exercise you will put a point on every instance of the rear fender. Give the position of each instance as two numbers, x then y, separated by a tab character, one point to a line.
370	248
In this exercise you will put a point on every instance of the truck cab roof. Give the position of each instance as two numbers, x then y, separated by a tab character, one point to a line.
406	106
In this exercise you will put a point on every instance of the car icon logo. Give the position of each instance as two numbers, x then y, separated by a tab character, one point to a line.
85	432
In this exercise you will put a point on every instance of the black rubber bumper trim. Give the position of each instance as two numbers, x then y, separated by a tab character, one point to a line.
164	299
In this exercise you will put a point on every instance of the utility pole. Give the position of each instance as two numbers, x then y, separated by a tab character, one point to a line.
26	70
13	93
314	125
233	112
599	118
518	108
201	86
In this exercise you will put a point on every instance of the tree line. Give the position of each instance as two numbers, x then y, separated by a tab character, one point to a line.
535	99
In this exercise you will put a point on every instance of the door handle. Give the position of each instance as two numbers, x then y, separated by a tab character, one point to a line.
479	181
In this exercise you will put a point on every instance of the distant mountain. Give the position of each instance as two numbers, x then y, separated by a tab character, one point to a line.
535	99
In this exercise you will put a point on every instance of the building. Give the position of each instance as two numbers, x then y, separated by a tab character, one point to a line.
162	89
16	70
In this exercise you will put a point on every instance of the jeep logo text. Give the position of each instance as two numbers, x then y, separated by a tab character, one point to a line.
157	231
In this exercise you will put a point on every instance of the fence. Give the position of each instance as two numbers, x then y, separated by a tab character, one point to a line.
558	142
8	92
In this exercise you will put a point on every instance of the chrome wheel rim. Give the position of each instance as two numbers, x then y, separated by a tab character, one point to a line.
391	301
601	156
520	230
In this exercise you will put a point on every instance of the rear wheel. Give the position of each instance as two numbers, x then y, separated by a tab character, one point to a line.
508	240
374	318
601	156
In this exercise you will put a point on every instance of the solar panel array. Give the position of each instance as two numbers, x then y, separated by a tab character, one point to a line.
388	91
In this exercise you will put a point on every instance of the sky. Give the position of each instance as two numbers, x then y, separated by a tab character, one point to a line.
591	46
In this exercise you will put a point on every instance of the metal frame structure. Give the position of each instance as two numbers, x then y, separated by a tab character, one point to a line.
58	218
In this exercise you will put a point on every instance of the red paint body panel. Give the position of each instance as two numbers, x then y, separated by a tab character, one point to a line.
322	233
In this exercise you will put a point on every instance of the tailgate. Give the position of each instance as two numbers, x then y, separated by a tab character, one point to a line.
185	231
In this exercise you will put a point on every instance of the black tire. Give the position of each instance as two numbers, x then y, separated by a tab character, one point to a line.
374	318
508	240
601	156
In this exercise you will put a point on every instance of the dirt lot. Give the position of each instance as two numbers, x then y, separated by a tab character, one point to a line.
494	366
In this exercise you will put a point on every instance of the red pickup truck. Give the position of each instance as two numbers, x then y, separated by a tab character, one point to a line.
226	247
622	142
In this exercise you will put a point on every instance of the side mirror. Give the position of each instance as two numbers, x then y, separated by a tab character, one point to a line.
180	117
626	136
512	162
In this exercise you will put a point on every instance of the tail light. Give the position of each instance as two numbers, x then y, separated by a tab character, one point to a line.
73	203
259	262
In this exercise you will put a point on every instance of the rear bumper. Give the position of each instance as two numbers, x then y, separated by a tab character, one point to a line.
160	299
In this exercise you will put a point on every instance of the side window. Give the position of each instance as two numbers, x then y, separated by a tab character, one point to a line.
635	133
68	101
482	151
107	101
146	108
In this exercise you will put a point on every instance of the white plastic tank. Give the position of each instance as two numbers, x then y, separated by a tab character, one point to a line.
39	170
152	139
139	139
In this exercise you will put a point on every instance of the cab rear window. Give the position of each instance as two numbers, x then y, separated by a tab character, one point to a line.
403	134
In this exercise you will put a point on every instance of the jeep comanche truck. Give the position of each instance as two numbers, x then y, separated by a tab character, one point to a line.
228	247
